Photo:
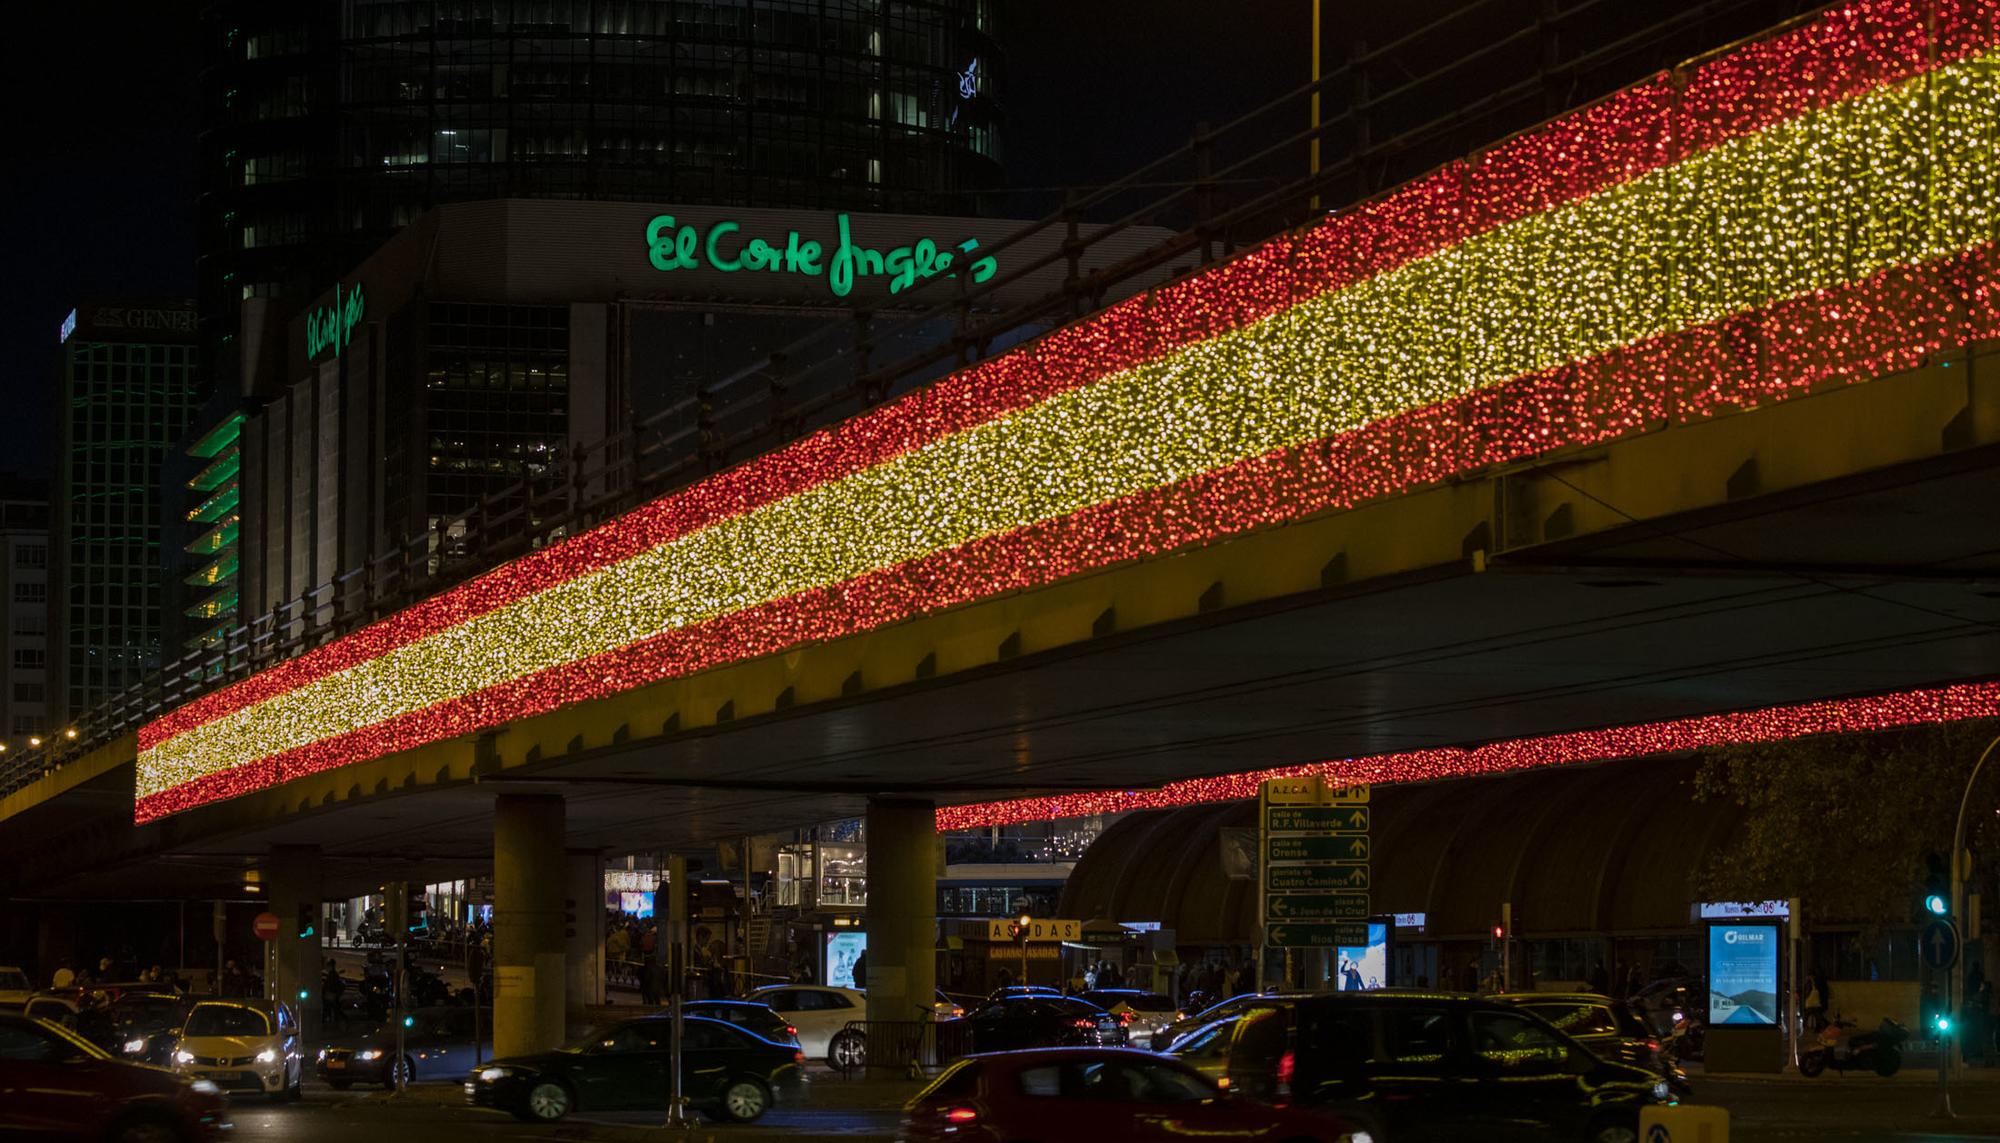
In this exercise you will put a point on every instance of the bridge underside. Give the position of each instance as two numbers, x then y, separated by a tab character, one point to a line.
1846	543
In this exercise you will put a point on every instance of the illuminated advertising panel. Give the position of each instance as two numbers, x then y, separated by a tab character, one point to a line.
1363	967
843	949
1743	974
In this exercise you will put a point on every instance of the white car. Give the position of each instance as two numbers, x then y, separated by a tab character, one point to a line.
242	1046
817	1011
14	987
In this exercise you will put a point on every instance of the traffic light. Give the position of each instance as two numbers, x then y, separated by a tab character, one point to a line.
1934	896
1942	1022
395	909
308	920
417	909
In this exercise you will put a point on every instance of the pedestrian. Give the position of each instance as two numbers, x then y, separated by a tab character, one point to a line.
331	989
1815	1003
649	979
861	970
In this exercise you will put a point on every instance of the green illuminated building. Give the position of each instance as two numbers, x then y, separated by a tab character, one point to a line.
214	495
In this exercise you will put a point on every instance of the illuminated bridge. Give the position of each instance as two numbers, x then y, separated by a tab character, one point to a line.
1673	422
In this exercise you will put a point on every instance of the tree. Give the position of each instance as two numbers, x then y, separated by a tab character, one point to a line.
1847	822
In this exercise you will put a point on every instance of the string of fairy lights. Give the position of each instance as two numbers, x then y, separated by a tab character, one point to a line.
1653	739
1819	206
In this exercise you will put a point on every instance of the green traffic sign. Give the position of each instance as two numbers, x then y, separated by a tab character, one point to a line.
1316	906
1280	878
1316	819
1315	848
1287	934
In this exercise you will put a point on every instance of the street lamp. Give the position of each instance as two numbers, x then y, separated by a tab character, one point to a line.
70	734
34	740
1021	924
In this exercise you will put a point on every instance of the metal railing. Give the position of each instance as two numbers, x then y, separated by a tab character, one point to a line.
1227	187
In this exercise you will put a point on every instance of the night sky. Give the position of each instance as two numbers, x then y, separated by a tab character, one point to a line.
100	183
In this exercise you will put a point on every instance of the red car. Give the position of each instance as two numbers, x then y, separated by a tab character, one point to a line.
56	1085
1091	1095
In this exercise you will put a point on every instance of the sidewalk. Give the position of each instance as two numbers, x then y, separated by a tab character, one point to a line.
1918	1067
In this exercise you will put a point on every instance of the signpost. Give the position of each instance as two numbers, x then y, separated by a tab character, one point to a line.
1313	866
265	926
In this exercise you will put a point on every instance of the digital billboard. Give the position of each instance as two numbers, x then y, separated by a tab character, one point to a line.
1743	974
1364	967
637	904
842	950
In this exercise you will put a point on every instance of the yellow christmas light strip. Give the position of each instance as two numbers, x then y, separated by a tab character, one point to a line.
1751	221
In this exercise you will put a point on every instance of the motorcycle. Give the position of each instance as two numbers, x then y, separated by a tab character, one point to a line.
1687	1040
1880	1051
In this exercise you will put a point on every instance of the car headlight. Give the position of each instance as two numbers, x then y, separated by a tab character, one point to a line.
183	1056
369	1054
491	1075
322	1055
206	1087
1660	1090
134	1047
268	1056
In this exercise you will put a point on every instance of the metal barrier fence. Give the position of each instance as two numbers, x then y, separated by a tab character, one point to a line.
915	1046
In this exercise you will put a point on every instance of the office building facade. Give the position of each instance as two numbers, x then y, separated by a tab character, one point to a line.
24	606
128	389
330	124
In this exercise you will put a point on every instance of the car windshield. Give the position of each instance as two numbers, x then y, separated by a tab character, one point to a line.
13	980
1578	1018
148	1010
226	1020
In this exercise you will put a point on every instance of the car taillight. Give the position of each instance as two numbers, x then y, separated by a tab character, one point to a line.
1286	1064
791	1030
1083	1023
799	1058
1125	1017
1653	1044
960	1115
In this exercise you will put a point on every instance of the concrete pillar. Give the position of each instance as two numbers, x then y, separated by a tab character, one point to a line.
902	914
291	878
529	870
583	950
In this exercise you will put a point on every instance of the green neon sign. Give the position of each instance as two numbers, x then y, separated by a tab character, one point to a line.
333	327
671	245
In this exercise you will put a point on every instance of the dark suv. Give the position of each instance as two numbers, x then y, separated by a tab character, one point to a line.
1417	1066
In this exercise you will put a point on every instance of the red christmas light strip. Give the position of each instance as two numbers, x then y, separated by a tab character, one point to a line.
1890	321
1773	724
1847	51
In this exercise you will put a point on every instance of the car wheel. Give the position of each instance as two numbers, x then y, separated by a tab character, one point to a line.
402	1071
548	1101
848	1051
1614	1131
146	1131
745	1100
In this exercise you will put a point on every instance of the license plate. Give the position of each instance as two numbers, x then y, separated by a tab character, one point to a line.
335	1065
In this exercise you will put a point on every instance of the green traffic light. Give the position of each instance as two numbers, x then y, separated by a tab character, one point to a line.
1937	905
1943	1024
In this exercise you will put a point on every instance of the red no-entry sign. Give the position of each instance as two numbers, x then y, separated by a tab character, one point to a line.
265	926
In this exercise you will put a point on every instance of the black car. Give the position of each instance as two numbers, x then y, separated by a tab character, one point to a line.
754	1018
1036	1021
147	1025
727	1072
1417	1067
1229	1009
1607	1027
438	1043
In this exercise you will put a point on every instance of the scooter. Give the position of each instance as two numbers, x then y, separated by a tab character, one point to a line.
1880	1051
